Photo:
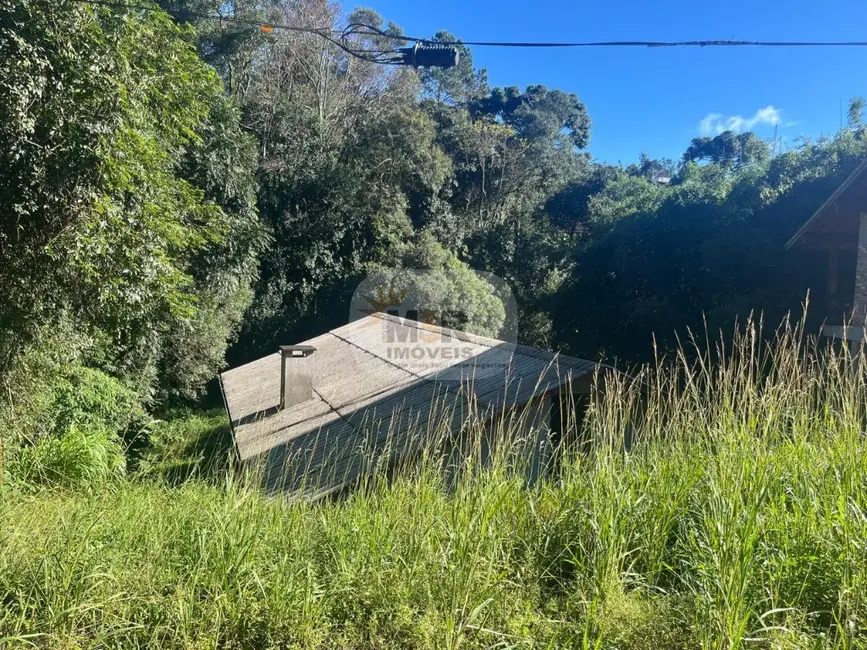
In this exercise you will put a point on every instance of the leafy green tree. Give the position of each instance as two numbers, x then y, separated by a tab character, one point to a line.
538	114
350	167
653	170
511	152
570	208
431	277
347	166
709	250
729	149
127	194
856	117
623	195
458	85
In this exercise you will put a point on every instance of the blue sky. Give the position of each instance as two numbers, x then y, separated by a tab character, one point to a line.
656	100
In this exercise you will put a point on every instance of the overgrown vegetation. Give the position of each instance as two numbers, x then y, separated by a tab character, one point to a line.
127	203
178	193
735	518
188	444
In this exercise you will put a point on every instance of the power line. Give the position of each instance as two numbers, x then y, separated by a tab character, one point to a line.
338	37
335	37
544	44
667	44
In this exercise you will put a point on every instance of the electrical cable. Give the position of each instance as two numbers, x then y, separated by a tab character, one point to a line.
333	36
542	44
339	38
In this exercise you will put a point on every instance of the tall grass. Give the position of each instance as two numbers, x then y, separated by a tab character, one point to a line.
718	500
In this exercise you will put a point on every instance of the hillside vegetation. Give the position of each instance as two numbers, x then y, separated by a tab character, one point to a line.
178	195
181	194
736	518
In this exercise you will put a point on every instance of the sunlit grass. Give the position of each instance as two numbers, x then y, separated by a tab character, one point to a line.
720	503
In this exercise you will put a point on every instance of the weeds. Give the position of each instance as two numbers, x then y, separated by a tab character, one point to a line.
720	503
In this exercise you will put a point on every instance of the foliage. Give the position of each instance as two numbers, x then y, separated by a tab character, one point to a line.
343	153
142	226
447	289
710	248
538	115
728	148
127	194
187	444
64	423
81	457
50	391
458	85
855	114
651	169
734	519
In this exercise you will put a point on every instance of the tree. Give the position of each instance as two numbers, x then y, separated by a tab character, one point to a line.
653	170
435	280
538	114
728	149
705	252
458	85
345	155
856	111
570	208
510	152
856	117
127	194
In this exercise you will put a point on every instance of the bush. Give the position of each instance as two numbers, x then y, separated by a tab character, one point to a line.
79	458
58	416
89	398
189	443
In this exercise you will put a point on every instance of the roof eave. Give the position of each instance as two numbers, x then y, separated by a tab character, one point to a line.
856	173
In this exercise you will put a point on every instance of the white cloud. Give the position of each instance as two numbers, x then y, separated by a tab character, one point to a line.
716	123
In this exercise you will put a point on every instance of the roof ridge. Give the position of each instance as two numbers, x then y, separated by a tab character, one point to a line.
469	337
430	327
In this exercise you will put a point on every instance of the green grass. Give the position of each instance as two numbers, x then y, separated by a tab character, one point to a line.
737	519
188	444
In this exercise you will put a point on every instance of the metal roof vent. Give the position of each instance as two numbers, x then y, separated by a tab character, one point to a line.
297	387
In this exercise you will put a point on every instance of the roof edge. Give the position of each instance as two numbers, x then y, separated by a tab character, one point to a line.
856	173
235	446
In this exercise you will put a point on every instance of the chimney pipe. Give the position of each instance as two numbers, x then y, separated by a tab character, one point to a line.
299	388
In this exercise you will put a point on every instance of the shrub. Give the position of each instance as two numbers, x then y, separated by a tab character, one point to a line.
92	399
59	415
81	457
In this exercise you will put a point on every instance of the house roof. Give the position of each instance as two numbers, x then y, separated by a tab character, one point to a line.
368	389
850	190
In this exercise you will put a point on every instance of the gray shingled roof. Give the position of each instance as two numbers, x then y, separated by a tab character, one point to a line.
364	395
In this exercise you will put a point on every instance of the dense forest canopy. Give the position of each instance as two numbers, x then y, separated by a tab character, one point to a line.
180	192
